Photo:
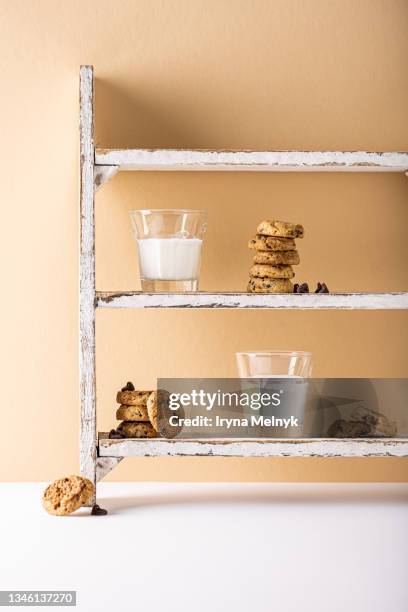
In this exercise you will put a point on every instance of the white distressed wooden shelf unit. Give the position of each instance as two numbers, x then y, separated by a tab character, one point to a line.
100	454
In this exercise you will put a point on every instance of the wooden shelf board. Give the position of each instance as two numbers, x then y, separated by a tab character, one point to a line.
262	447
258	161
138	299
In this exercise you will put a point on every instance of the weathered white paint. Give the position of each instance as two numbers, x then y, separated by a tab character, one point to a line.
104	465
137	299
94	172
87	279
102	174
259	161
323	447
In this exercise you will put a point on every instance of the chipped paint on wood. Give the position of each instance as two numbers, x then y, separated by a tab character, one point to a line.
87	280
102	174
137	299
324	447
258	161
104	465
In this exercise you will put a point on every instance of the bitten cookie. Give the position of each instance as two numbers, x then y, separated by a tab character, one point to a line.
280	228
133	398
160	413
133	429
270	243
277	258
265	271
269	285
132	413
66	495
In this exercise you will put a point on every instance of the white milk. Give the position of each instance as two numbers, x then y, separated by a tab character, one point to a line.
169	258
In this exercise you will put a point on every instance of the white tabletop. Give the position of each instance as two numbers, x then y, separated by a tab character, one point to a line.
213	547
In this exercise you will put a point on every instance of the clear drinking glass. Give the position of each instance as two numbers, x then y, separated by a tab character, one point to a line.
169	245
274	364
283	372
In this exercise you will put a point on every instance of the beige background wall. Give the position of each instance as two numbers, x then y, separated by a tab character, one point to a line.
187	73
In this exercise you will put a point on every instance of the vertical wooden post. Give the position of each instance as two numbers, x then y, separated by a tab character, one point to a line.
87	279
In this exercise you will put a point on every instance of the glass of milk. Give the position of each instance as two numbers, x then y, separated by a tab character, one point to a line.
283	372
169	245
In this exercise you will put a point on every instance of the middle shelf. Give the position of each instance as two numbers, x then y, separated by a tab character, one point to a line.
305	301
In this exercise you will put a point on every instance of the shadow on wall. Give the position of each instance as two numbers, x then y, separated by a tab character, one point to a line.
126	119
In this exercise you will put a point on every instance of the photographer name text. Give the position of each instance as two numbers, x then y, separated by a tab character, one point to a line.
227	423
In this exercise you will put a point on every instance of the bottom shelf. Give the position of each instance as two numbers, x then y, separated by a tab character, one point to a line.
256	447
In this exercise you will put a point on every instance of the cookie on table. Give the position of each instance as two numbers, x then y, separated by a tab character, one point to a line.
132	398
65	495
134	429
271	243
159	414
266	271
283	229
269	285
132	413
277	258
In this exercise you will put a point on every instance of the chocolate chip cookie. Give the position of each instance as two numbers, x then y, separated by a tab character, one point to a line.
277	258
133	398
133	429
132	413
269	285
160	414
65	495
282	229
266	271
270	243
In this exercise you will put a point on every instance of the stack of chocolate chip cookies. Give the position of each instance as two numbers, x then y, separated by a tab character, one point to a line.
275	254
145	414
134	414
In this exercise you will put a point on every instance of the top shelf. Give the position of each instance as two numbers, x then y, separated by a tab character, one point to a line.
256	161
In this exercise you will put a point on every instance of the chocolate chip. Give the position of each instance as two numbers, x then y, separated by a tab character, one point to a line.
114	434
303	288
98	511
322	288
129	387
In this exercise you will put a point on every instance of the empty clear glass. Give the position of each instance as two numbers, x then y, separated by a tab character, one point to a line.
282	372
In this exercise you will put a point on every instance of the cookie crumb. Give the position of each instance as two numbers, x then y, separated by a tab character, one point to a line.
302	288
129	387
114	434
322	288
98	511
